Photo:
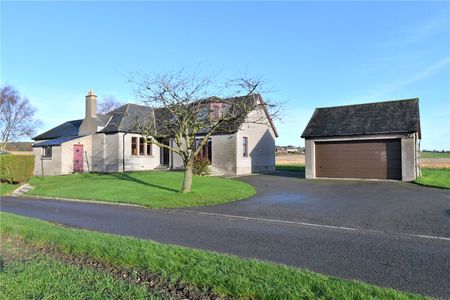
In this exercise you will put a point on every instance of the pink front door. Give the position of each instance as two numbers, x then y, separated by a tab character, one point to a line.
78	158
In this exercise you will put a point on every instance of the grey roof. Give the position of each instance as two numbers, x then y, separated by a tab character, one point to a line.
399	116
69	128
124	117
55	142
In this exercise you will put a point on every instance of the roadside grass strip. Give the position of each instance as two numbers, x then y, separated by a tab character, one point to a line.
221	274
37	276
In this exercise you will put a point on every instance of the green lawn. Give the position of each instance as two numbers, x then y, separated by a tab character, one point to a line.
434	155
155	189
6	188
41	277
224	274
291	167
435	178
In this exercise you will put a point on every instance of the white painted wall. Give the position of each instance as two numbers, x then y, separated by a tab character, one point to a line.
67	154
49	165
261	146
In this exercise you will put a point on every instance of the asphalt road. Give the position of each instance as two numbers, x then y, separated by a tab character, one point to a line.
388	206
400	261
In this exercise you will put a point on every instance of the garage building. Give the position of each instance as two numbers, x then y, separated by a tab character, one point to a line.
371	141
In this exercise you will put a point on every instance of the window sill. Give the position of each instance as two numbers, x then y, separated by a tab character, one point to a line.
46	158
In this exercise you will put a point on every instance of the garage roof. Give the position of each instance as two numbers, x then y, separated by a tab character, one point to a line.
399	116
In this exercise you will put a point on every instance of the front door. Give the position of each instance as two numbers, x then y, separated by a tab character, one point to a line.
78	158
164	153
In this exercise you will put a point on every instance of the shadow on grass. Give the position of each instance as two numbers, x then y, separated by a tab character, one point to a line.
128	177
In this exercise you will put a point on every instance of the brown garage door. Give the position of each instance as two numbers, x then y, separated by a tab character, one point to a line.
378	159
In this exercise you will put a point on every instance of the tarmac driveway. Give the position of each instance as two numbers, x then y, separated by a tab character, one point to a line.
394	207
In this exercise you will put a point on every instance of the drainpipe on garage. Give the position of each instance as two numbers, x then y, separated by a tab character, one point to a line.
123	151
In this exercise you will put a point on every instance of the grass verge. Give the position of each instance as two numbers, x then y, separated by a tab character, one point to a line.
435	178
291	167
6	188
223	274
154	189
37	276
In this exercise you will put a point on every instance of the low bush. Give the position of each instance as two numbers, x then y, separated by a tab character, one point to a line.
16	168
201	166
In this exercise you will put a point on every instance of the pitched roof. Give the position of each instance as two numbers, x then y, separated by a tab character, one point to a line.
69	128
124	117
399	116
55	142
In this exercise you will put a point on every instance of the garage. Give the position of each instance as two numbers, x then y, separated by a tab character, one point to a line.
380	159
378	140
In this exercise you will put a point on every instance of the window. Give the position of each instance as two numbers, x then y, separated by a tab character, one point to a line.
141	146
134	146
47	151
245	146
149	149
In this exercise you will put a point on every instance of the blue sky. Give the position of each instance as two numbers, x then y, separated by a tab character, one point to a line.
311	54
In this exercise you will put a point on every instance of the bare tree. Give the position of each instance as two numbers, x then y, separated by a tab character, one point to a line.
185	113
107	104
16	116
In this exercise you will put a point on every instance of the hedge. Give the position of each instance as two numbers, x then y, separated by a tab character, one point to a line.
16	168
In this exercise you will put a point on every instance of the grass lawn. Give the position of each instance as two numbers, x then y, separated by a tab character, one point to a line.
435	178
155	189
291	167
223	274
6	188
435	155
38	276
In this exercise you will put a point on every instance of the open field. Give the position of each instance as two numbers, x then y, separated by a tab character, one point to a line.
154	189
187	269
426	154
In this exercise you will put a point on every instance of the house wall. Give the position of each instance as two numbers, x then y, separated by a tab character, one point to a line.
224	153
409	144
175	161
261	146
67	154
108	154
133	162
47	165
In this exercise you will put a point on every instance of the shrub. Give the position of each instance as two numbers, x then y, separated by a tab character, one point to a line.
201	166
16	168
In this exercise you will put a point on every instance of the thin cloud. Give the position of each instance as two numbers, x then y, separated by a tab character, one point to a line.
396	85
419	33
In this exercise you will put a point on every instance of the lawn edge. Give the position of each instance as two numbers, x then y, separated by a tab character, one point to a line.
430	186
83	201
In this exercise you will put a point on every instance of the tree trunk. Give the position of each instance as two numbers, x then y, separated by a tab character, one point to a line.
187	182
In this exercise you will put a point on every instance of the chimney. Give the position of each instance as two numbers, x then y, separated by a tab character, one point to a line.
91	104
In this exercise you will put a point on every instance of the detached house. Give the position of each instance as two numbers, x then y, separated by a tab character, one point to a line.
108	143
